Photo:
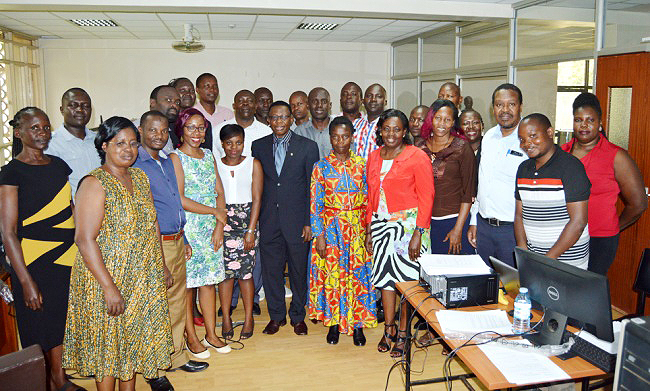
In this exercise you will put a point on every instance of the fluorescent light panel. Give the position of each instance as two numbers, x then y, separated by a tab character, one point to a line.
94	22
317	26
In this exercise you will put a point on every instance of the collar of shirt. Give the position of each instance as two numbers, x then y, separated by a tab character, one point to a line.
284	140
144	155
69	136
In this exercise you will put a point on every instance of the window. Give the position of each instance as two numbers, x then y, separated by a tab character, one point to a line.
573	78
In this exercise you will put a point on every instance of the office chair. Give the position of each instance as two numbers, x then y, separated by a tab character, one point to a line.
641	285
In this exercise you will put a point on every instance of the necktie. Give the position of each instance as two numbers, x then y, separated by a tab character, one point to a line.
280	153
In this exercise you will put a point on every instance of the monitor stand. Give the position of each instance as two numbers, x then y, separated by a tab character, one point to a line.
551	331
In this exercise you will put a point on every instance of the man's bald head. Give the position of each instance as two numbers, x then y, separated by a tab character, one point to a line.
451	92
242	93
74	91
318	90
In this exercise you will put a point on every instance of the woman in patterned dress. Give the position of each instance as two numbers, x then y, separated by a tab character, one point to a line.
400	199
340	292
38	233
118	317
243	179
202	197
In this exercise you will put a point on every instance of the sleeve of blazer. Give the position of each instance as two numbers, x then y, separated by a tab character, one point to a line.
311	157
424	189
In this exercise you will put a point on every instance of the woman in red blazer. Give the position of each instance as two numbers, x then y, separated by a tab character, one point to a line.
400	200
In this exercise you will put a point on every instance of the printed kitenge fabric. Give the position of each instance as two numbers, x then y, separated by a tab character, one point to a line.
206	265
237	262
391	235
138	341
340	291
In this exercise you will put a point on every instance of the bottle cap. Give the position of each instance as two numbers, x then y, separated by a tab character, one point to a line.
523	290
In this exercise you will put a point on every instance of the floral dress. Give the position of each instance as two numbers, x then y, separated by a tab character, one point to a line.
206	265
340	291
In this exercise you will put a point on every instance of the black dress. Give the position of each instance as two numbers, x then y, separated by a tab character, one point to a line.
46	234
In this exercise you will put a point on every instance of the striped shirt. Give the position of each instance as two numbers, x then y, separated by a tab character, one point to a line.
544	194
365	137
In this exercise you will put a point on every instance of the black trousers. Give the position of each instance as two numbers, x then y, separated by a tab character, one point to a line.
276	252
602	251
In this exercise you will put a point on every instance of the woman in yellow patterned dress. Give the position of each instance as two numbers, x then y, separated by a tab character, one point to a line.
118	317
340	292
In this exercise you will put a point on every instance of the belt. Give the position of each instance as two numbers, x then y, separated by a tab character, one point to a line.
495	222
174	237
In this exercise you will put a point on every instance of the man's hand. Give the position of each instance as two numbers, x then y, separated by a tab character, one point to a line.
471	235
306	233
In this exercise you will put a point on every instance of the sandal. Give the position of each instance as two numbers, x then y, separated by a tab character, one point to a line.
227	334
384	343
398	348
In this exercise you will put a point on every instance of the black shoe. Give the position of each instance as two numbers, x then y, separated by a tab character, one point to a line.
358	338
192	366
380	312
256	309
160	384
232	309
333	335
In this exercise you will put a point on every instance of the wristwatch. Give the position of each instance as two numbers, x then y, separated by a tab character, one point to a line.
420	230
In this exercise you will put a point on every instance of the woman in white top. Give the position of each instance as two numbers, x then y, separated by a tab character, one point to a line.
242	179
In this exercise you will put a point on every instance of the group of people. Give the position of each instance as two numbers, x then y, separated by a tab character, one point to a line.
111	232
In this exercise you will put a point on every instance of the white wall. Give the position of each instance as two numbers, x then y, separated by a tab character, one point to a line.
120	74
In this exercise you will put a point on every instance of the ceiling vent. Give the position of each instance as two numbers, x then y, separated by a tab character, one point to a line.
94	22
317	26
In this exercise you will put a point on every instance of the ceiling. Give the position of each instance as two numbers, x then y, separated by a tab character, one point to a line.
149	22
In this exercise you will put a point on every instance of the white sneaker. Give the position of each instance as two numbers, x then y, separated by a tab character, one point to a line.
287	292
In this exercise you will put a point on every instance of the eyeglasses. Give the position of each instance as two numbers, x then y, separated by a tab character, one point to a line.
124	144
193	128
279	117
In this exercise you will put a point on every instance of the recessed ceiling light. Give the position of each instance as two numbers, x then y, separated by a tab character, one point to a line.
317	26
94	22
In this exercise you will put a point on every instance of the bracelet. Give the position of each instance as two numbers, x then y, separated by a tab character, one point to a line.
420	230
250	231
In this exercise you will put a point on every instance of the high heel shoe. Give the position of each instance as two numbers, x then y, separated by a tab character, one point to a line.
398	348
333	335
223	350
227	334
384	343
204	355
246	334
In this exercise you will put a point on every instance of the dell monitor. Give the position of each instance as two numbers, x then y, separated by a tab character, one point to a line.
565	291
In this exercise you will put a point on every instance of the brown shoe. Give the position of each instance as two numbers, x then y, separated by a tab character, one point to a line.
273	326
299	328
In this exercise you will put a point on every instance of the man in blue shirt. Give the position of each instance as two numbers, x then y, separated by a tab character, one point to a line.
171	218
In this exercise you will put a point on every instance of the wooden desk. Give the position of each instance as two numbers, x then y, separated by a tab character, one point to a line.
472	356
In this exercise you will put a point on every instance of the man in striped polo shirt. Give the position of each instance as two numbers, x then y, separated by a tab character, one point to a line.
551	197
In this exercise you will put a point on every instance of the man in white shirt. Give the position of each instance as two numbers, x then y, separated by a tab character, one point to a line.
491	228
73	141
244	107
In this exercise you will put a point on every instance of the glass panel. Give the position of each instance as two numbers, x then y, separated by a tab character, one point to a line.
406	94
538	86
480	90
564	116
430	91
557	27
627	23
486	46
406	58
620	108
438	51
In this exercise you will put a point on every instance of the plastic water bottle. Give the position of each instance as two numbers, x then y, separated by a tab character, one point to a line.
521	318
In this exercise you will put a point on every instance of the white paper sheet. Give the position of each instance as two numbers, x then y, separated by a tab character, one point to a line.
443	264
523	367
454	321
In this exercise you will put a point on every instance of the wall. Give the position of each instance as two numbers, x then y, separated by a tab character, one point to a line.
120	74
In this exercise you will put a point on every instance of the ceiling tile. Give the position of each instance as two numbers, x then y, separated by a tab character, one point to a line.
279	19
227	18
81	15
153	34
184	18
324	19
371	22
128	16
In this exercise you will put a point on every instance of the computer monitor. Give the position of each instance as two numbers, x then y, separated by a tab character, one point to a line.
508	275
565	291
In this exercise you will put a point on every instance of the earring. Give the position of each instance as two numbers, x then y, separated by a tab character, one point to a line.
202	140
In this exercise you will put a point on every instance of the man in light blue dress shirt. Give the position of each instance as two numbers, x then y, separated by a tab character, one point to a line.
73	141
491	228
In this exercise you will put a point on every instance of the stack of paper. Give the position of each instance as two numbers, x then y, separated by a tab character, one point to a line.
466	322
444	265
523	367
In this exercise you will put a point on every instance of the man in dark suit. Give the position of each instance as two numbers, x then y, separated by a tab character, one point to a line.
287	160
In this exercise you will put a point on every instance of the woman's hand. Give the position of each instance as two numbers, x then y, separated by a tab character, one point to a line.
368	242
32	296
217	237
220	215
321	246
414	245
114	301
249	241
169	280
188	252
454	237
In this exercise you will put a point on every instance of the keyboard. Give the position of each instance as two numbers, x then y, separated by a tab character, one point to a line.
593	354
